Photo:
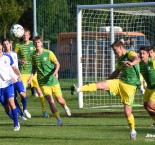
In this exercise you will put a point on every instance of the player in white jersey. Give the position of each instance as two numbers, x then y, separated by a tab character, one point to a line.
18	85
6	85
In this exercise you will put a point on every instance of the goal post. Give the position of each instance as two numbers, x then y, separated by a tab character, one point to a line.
132	22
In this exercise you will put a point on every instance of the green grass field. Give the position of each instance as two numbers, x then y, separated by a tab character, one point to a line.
85	127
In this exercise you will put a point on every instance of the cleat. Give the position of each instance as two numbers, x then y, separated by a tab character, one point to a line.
27	114
36	95
23	117
73	89
45	115
17	128
67	110
133	135
59	123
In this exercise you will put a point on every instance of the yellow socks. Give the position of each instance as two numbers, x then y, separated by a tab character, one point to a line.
131	122
88	88
42	102
56	114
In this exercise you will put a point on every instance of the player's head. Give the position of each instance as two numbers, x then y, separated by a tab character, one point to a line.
37	41
118	48
143	53
151	51
7	44
26	35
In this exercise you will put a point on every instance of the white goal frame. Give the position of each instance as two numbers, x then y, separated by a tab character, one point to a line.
79	34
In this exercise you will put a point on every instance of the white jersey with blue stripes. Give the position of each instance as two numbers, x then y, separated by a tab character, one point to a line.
6	62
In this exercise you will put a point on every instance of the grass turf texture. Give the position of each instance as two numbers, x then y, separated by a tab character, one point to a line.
84	127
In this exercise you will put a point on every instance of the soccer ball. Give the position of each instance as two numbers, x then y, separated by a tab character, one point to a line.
17	31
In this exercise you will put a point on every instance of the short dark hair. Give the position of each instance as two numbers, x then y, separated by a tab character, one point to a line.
7	39
37	38
117	44
150	48
143	48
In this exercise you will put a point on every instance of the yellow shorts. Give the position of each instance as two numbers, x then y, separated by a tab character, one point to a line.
34	82
125	91
52	90
149	95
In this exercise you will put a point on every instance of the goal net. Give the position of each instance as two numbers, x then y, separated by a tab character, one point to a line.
97	27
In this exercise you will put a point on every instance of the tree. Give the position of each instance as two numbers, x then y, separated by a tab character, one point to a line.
10	12
52	17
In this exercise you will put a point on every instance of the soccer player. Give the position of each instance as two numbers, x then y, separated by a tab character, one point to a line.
149	51
18	85
47	67
24	50
125	86
6	86
147	69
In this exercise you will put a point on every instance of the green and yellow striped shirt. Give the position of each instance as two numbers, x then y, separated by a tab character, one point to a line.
129	75
24	51
148	72
45	66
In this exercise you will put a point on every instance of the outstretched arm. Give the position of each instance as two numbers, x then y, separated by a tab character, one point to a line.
133	61
32	74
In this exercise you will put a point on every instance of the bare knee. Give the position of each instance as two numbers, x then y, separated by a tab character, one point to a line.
60	100
149	106
102	86
39	92
23	95
127	110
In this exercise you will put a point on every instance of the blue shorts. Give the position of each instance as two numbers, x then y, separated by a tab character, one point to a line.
19	87
6	93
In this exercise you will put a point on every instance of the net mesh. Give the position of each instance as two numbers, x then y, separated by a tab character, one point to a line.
134	25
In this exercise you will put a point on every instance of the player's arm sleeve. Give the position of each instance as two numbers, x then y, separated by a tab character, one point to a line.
52	57
133	56
11	60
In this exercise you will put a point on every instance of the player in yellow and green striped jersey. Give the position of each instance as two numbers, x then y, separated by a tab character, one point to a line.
125	86
46	65
147	69
24	50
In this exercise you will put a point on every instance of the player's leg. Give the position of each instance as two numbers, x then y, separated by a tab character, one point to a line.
130	120
9	95
58	95
127	93
7	110
35	84
5	104
42	102
54	109
19	87
150	108
47	90
90	87
19	110
149	102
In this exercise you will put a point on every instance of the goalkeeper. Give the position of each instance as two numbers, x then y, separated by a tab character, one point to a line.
125	87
